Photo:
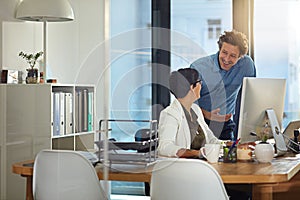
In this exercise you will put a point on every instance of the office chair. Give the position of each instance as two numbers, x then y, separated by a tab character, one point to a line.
188	179
60	174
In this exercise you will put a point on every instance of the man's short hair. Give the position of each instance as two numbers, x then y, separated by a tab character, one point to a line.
234	38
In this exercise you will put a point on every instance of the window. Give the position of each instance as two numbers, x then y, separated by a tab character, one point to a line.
193	21
277	48
130	70
214	28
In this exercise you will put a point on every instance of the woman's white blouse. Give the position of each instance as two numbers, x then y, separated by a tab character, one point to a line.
174	132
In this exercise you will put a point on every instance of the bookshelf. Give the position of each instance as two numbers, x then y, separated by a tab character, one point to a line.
73	117
27	114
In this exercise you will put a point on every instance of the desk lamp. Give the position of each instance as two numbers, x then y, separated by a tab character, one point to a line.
45	11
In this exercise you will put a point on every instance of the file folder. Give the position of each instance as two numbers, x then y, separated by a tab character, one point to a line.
68	113
90	111
62	113
85	110
56	113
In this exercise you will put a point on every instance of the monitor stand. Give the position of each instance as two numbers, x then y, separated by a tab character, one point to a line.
278	137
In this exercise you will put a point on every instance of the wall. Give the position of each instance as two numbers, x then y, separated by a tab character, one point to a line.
75	52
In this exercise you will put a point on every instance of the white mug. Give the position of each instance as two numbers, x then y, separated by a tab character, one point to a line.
211	152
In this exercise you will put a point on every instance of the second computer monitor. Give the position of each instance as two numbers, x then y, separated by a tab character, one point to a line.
258	95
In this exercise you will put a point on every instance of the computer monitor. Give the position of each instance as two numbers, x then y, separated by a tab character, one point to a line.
258	95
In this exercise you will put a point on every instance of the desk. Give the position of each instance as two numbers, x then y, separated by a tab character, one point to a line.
25	169
279	179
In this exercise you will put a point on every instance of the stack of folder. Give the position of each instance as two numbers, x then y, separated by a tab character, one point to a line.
64	111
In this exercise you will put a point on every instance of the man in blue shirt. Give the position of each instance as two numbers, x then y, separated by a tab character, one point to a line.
222	75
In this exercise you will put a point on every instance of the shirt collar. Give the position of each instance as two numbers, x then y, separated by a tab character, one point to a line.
215	58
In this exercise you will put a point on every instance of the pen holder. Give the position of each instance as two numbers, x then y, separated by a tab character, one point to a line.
229	154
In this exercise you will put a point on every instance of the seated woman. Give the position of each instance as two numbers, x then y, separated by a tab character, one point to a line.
182	129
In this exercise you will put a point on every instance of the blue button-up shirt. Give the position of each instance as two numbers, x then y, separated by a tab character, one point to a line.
220	87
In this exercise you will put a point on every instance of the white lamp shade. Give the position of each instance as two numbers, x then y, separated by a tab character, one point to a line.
45	10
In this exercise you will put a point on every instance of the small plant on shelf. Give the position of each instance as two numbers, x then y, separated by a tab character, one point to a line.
31	58
32	73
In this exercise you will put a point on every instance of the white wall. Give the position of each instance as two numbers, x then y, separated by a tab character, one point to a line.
75	52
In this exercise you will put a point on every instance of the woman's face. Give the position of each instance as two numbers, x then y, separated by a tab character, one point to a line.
229	55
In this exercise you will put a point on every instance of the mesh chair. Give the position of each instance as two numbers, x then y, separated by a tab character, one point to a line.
60	174
188	179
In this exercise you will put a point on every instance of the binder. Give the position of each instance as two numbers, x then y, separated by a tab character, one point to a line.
56	113
62	113
78	111
68	113
85	110
90	110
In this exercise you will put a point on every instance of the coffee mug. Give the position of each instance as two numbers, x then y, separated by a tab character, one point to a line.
211	152
244	152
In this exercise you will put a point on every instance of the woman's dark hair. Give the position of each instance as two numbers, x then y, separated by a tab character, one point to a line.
180	81
234	38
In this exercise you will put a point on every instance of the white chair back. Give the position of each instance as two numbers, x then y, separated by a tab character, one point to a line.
60	174
186	179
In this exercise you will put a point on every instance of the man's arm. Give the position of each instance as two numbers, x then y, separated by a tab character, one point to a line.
214	115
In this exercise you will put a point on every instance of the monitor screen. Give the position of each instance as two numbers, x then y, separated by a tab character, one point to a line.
258	95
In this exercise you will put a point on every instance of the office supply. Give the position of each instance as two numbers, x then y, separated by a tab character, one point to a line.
68	113
55	176
296	147
56	113
76	108
85	110
90	111
234	145
141	151
187	179
230	152
258	95
79	111
62	111
290	143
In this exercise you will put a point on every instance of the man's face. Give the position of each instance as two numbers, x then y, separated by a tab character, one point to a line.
229	55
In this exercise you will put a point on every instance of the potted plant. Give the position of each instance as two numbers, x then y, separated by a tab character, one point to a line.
264	151
31	59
